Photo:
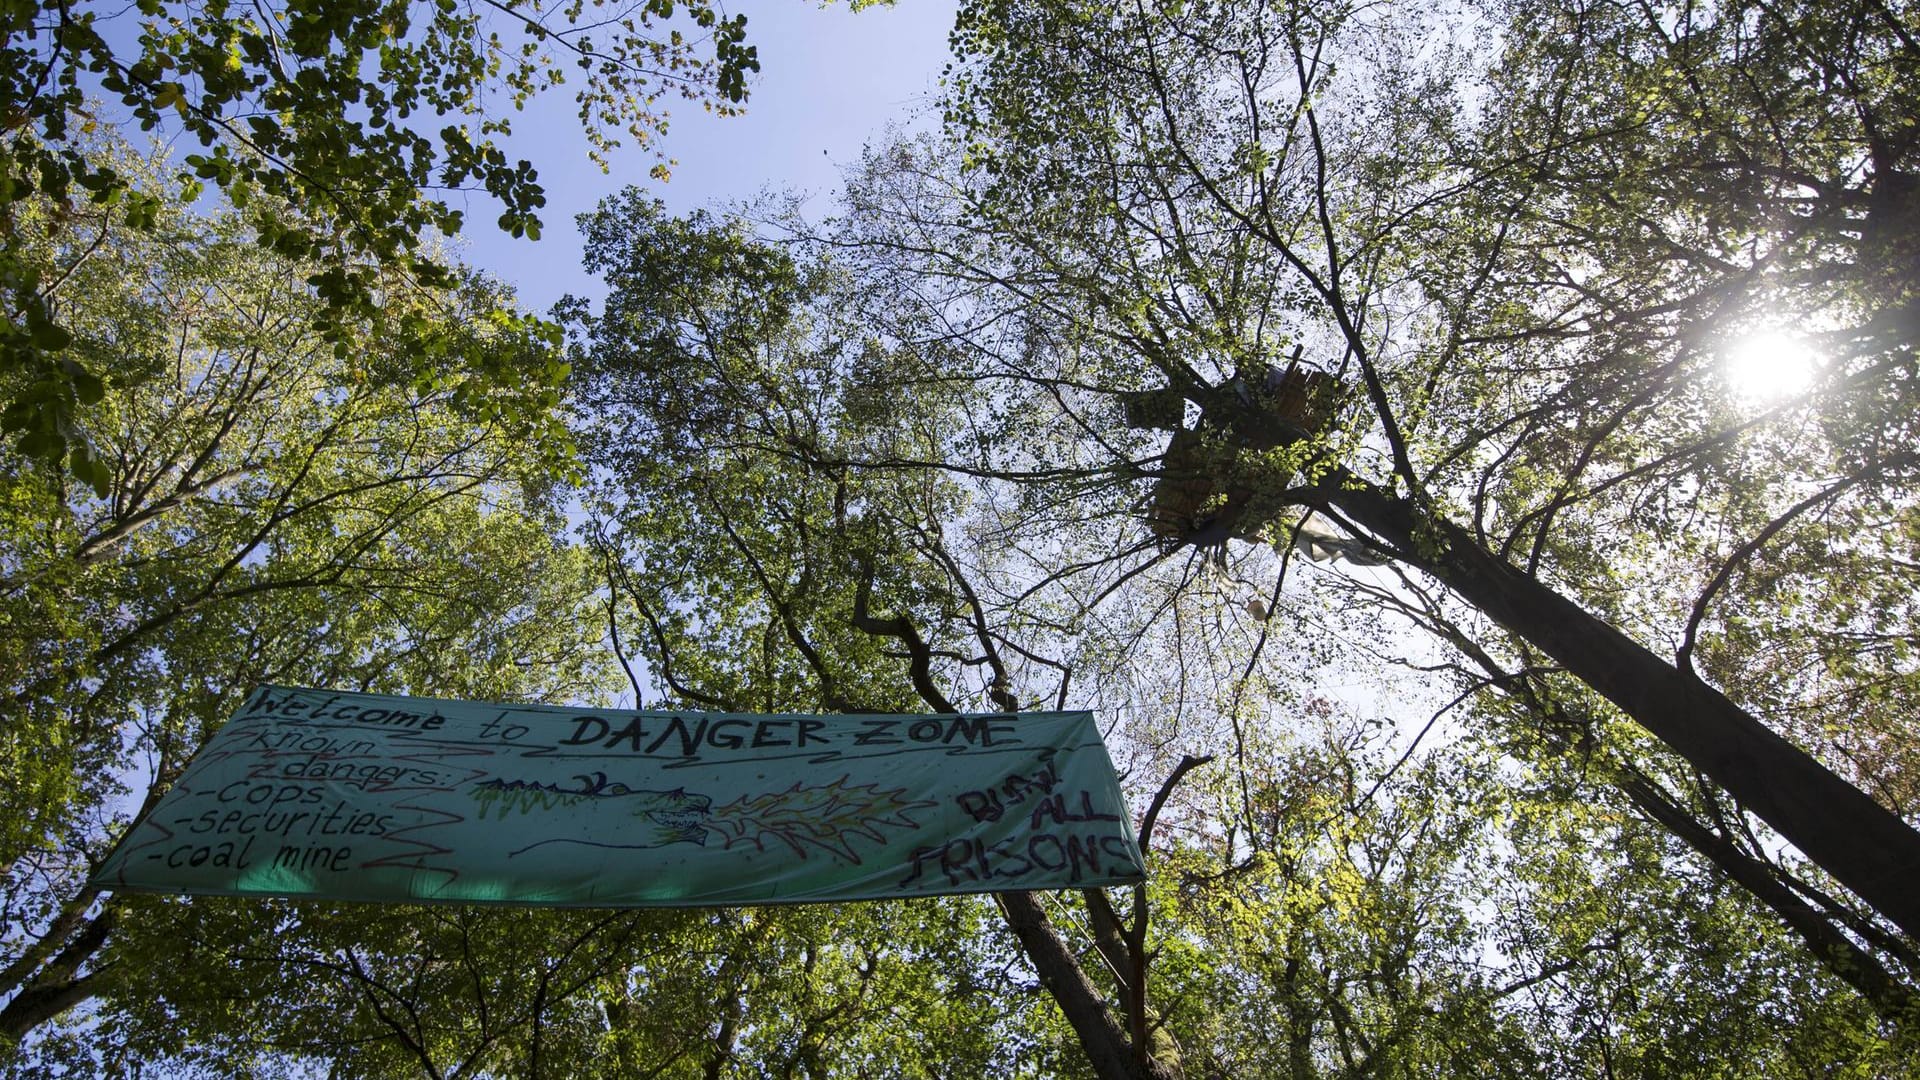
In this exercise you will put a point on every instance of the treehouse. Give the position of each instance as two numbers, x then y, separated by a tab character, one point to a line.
1207	491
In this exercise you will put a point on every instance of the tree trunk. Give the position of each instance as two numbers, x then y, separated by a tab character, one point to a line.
59	986
38	1004
1865	846
1887	995
1102	1036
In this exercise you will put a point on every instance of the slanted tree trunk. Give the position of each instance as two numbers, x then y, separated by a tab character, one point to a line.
59	985
1888	996
1893	999
1866	847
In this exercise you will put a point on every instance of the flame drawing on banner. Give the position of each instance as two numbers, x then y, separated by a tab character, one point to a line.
824	817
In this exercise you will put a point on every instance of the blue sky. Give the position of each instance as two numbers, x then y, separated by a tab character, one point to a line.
830	81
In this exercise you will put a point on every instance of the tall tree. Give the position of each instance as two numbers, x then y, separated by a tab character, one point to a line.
1504	259
292	515
796	465
277	511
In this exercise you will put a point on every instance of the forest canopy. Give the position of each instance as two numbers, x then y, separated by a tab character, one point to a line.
1353	404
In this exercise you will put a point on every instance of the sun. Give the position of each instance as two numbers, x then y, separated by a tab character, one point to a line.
1769	365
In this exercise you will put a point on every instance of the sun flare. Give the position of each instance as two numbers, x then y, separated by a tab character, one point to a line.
1769	365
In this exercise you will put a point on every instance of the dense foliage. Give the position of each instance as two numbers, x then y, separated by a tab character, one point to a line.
365	115
1337	398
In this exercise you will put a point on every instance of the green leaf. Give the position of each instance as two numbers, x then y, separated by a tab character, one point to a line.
49	336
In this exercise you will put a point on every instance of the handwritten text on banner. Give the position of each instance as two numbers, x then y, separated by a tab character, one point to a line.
367	797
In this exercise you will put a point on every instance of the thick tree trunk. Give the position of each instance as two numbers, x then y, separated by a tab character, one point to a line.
1865	846
59	986
38	1004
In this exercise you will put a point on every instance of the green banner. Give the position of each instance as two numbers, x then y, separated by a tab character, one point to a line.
365	797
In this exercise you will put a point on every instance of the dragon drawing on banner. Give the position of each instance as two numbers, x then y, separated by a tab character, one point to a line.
803	818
